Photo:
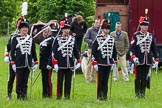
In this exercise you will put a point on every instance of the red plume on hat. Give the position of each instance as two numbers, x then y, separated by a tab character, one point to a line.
65	25
62	24
102	22
105	24
144	20
141	19
18	22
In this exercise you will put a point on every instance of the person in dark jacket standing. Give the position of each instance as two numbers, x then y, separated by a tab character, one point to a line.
45	54
104	56
142	48
89	38
65	52
22	54
78	28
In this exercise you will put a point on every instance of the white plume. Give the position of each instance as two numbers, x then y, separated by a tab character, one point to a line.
24	8
66	15
146	11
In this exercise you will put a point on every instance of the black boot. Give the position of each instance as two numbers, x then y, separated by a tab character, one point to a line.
67	96
9	96
143	88
19	97
59	96
143	94
137	89
9	91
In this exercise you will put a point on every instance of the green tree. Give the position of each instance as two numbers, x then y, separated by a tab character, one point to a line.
55	9
44	10
8	12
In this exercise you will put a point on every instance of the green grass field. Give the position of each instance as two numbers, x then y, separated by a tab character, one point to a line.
84	95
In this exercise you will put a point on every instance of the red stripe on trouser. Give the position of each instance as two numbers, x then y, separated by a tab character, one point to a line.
49	82
96	81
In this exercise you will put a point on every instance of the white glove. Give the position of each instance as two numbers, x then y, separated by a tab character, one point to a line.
6	59
136	60
34	68
77	66
155	64
49	67
95	67
113	66
14	67
56	68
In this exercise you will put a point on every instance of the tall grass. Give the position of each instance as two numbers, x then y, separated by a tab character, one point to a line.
84	94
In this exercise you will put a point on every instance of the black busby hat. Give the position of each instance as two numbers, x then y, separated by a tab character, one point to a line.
54	25
46	27
22	23
65	25
144	20
105	24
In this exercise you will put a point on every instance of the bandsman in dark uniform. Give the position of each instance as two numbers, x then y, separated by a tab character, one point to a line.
12	74
45	53
65	52
22	54
104	53
142	48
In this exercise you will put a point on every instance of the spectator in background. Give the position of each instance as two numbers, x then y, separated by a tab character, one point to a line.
122	46
89	38
78	28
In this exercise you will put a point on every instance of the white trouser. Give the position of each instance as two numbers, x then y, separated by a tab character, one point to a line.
87	68
122	60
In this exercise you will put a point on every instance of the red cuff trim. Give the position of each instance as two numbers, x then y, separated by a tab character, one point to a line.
157	60
54	61
116	62
12	62
132	57
94	63
79	61
36	62
6	54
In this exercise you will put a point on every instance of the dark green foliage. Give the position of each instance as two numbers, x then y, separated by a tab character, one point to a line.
44	10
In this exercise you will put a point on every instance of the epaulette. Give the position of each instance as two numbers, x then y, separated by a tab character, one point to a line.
136	32
14	34
58	37
99	36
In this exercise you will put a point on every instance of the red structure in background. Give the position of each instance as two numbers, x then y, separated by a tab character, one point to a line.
130	11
